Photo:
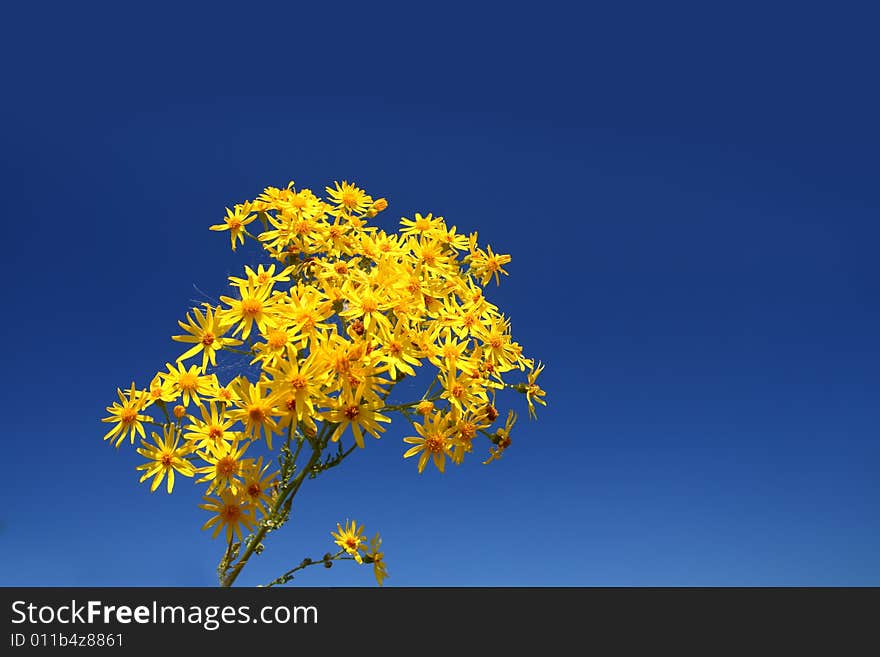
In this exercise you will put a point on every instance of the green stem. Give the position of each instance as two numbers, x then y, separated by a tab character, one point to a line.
283	579
289	492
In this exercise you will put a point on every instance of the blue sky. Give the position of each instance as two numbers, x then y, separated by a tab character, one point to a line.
690	198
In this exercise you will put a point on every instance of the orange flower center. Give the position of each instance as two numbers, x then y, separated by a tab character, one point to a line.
226	466
208	339
277	339
188	382
298	381
231	513
251	307
128	415
434	444
352	412
256	414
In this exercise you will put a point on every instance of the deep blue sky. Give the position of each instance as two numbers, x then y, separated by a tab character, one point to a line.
690	197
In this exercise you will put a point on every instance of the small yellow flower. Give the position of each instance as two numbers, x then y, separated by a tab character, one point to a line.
166	456
433	441
230	511
235	222
377	558
350	539
127	415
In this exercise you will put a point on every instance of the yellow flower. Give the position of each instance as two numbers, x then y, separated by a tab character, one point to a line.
433	441
534	393
257	484
127	415
212	429
249	309
206	332
486	264
187	382
352	410
377	558
350	539
225	464
348	198
420	225
235	222
166	456
255	408
230	511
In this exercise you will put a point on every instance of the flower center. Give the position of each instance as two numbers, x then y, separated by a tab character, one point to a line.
467	431
128	415
434	444
256	414
298	381
166	460
226	466
251	307
277	339
208	339
254	490
349	199
352	412
215	432
231	513
188	382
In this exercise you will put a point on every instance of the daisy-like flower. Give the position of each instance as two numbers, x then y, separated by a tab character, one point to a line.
377	558
187	383
206	332
230	511
235	222
434	441
486	264
421	224
225	462
212	429
257	484
348	198
250	309
350	539
166	456
255	408
351	410
126	415
534	393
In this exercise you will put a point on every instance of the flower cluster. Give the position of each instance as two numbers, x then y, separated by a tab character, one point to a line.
340	313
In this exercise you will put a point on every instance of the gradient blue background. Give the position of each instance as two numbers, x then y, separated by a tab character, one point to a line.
690	197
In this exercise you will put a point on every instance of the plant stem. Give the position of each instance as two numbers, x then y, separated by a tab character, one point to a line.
289	492
283	579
